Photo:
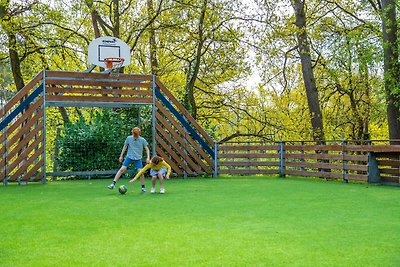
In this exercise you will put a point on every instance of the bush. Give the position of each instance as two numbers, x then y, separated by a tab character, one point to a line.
95	143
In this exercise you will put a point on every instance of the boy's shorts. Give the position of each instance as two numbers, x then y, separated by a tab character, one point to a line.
163	172
138	163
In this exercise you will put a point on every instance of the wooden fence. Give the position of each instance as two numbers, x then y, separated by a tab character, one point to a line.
336	160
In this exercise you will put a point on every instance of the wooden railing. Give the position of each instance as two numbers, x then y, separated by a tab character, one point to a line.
22	134
337	160
98	89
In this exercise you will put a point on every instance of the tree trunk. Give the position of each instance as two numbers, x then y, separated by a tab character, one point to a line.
152	39
116	24
307	70
15	62
194	65
391	67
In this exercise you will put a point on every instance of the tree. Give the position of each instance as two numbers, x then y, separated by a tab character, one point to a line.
391	66
307	70
152	39
9	25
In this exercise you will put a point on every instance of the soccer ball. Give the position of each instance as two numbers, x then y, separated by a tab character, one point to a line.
122	189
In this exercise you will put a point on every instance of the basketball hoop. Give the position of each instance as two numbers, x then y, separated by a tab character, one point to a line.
113	64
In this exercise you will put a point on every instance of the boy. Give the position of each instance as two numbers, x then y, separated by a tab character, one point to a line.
158	168
135	145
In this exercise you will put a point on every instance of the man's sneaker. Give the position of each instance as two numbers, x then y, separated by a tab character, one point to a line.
111	186
144	190
153	190
162	191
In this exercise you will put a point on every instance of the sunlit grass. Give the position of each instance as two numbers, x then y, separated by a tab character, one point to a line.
201	222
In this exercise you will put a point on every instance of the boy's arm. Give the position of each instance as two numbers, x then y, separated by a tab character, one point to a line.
148	154
168	169
142	171
121	157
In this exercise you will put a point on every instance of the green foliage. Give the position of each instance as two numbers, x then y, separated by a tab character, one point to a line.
95	143
344	36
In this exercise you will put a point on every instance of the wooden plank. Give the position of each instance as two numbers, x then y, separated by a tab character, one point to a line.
24	167
169	143
2	151
339	147
390	179
313	147
248	171
162	111
358	177
192	151
184	112
390	155
97	75
326	157
24	141
354	167
25	153
328	175
248	156
30	175
87	82
321	165
182	143
384	148
387	162
223	148
176	157
100	99
393	171
180	148
99	91
248	163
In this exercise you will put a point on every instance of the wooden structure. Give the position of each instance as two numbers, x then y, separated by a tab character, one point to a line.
369	163
176	135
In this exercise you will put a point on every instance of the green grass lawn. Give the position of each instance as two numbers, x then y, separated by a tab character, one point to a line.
250	221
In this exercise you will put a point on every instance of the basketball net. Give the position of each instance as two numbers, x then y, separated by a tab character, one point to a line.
114	64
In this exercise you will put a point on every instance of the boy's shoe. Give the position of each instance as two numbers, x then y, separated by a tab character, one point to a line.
111	186
162	191
144	190
153	190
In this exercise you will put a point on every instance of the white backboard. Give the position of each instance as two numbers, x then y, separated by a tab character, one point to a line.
108	46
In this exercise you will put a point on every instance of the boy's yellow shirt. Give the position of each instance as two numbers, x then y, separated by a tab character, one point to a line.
157	167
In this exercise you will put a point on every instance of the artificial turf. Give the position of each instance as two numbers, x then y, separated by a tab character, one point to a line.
235	221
